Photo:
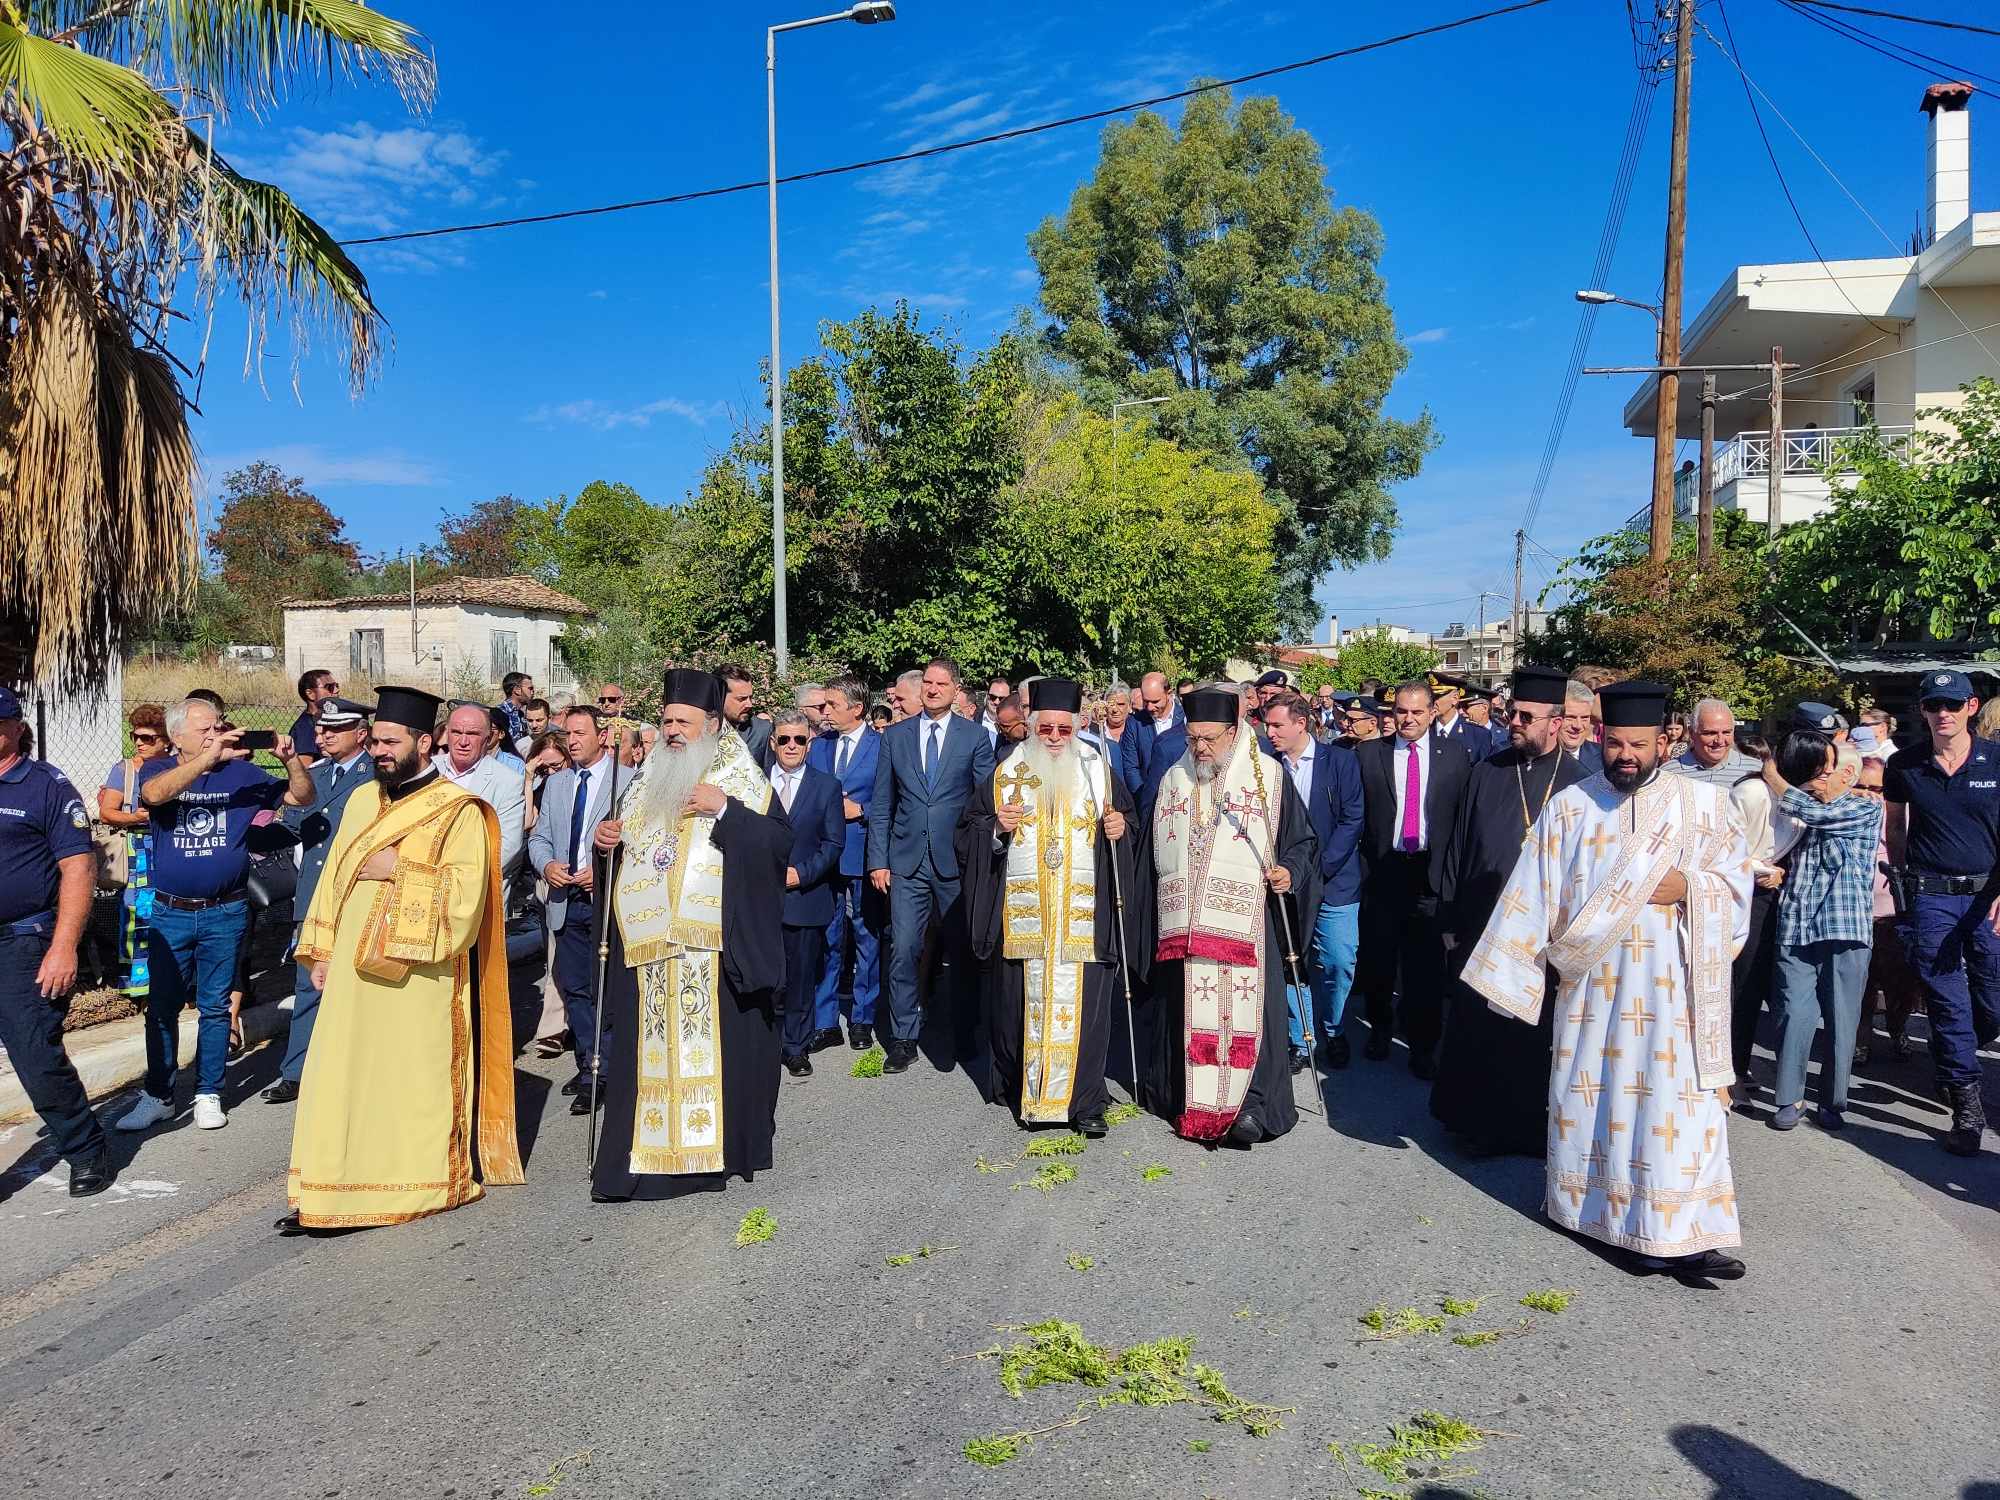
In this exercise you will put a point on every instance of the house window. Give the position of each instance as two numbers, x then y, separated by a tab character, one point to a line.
506	653
1863	397
364	654
1451	658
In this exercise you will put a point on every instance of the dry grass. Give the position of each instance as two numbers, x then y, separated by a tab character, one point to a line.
166	682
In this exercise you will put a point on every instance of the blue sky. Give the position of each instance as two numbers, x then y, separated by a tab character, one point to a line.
623	347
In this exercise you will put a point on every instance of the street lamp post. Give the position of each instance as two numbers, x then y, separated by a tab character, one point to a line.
867	13
1116	407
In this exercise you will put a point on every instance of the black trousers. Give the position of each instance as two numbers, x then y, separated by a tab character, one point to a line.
804	947
1750	977
1402	960
31	1031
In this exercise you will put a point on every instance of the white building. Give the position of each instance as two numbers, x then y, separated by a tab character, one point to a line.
442	633
1876	341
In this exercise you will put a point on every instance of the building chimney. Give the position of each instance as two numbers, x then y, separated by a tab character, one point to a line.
1333	630
1948	160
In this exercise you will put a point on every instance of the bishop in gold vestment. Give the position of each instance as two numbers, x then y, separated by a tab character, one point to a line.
412	1054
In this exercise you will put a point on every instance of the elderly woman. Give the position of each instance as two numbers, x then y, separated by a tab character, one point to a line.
118	806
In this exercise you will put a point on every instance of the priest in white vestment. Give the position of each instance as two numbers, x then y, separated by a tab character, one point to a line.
1635	888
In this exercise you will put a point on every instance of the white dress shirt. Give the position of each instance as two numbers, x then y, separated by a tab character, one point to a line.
503	791
846	747
786	784
1301	772
1399	771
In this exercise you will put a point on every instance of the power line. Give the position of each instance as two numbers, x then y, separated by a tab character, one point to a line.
927	152
1909	57
1891	15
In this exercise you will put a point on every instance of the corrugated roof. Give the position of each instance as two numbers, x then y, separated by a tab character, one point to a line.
516	591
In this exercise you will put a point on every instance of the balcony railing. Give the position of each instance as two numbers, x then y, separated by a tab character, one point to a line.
1806	450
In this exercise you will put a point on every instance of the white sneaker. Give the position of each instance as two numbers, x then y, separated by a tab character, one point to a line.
208	1113
144	1115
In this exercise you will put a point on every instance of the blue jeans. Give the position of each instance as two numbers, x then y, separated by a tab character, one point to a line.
192	958
1957	959
1816	980
1329	971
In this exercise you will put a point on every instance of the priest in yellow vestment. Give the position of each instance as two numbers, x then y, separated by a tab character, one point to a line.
412	1054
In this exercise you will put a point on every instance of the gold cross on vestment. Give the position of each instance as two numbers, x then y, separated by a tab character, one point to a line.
1606	979
1668	982
1588	1087
1708	1139
1639	1089
1512	904
1617	1125
1711	899
1723	1198
1637	1016
1691	1171
1599	841
1563	1123
1690	1096
1018	778
1574	1194
1669	1132
1637	945
1666	1211
1659	840
1671	1058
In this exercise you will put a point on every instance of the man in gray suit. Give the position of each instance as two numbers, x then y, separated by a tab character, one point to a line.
574	802
926	770
341	731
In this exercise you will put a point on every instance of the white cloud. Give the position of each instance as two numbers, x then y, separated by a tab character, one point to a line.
1025	276
316	466
950	111
1430	336
906	179
358	179
922	94
599	294
604	417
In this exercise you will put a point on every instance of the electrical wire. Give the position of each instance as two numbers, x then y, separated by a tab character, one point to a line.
1909	57
948	147
1892	15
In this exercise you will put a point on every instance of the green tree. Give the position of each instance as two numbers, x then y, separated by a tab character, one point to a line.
273	540
121	217
482	543
595	546
1209	265
1373	654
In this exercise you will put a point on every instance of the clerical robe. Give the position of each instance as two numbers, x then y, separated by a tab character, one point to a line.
1214	1021
694	984
1638	1145
1043	910
412	1053
1492	1080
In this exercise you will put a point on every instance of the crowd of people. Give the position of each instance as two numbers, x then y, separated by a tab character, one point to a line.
1023	864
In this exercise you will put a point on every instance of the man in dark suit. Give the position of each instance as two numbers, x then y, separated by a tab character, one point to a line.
1580	724
928	767
848	751
1411	784
812	803
341	731
737	687
1449	695
1158	712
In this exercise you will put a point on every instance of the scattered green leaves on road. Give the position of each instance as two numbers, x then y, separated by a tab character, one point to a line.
1383	1324
1079	1262
1554	1300
1199	1445
1067	1144
559	1471
983	1165
922	1252
1417	1449
1049	1176
1154	1172
869	1063
1461	1307
1119	1114
757	1227
1477	1340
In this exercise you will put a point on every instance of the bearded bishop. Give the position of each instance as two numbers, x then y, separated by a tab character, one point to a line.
696	962
1037	842
411	1071
1228	837
1635	889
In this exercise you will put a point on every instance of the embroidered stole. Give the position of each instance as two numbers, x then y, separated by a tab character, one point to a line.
1049	925
669	907
1211	846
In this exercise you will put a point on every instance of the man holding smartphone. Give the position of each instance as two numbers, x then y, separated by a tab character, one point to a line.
202	805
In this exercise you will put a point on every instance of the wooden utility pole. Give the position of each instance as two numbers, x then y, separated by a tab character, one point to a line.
1704	515
1666	414
1519	618
1777	464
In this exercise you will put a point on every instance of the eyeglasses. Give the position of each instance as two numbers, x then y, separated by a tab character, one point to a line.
1943	705
145	737
1209	741
1523	716
1056	731
788	739
609	700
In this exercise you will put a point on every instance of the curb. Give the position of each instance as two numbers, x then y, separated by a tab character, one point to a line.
115	1062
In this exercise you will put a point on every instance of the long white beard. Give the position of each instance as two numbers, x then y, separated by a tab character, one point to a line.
670	774
1060	773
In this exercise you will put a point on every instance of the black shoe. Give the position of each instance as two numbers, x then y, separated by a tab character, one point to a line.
898	1057
1245	1131
825	1037
555	1046
290	1224
577	1085
1422	1067
798	1065
1712	1264
1379	1046
1968	1120
1093	1127
1301	1060
94	1176
1335	1052
580	1105
284	1091
861	1038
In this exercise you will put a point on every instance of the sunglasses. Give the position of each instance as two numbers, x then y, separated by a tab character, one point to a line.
788	739
1056	731
1943	705
612	702
145	737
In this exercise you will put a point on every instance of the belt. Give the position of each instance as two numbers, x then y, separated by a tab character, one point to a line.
198	903
41	921
1927	883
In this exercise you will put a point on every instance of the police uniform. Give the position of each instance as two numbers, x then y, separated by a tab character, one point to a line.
42	822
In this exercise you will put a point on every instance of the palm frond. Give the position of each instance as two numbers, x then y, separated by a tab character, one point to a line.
102	115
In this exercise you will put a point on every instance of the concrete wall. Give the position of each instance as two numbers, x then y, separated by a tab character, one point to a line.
318	637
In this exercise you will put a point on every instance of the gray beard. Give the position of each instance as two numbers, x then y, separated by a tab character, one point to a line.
1060	774
1205	773
669	776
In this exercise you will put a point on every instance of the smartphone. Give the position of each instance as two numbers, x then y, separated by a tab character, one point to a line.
258	739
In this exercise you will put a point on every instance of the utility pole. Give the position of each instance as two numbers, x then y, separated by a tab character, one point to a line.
1519	616
1704	526
1666	415
1777	466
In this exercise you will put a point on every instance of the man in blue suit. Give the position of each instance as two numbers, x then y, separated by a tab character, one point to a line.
848	751
1450	694
811	799
1158	712
574	802
927	769
340	729
1328	780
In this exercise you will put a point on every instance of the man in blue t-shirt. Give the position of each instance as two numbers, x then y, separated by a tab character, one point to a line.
203	804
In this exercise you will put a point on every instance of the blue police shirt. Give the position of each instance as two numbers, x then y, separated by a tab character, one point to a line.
200	839
1954	821
42	820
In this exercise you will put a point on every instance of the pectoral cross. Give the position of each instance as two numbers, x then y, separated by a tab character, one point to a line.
1016	779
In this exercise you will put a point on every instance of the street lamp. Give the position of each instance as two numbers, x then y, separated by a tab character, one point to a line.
1598	298
1116	407
866	13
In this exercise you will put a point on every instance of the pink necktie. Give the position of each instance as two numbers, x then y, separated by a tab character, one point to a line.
1413	800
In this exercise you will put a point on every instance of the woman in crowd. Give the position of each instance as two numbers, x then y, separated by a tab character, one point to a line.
118	807
548	755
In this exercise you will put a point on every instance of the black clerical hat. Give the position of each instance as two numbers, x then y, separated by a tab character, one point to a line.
1213	706
1539	685
1633	705
702	690
413	708
1057	693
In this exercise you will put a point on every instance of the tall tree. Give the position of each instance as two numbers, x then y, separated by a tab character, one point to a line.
595	545
273	540
1209	265
484	542
120	217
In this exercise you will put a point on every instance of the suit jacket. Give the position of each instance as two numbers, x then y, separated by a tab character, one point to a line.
857	782
757	740
1476	741
549	842
819	831
506	792
1135	748
316	825
1590	755
1334	807
1444	787
1164	755
910	816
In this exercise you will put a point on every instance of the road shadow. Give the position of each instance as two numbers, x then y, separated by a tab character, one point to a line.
531	1099
1740	1470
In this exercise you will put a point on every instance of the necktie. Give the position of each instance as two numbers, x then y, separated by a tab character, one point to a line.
931	755
576	812
1413	798
785	785
334	785
846	745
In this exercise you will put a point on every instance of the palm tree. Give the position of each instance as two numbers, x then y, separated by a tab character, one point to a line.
117	218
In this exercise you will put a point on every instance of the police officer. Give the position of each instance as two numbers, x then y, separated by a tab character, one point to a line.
1943	833
45	890
340	730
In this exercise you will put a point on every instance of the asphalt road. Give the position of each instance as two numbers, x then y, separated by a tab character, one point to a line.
162	1341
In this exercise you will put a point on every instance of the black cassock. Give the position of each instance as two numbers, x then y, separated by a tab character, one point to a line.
983	869
1492	1084
750	988
1163	1012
